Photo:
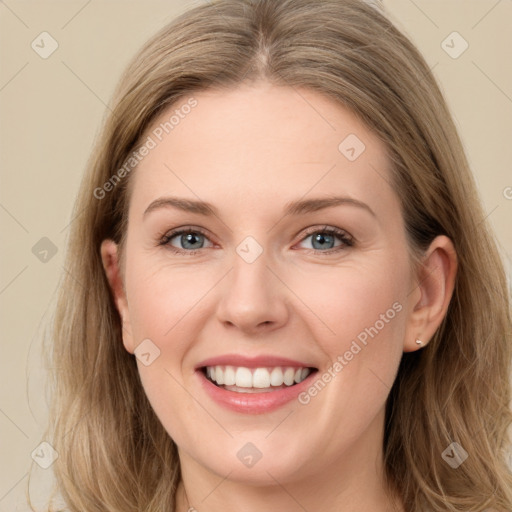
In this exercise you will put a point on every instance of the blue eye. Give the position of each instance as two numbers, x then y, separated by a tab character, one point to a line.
323	241
328	238
187	240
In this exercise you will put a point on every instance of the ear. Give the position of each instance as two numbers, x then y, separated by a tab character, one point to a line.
431	297
110	259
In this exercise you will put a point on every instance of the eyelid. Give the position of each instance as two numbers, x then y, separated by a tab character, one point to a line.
327	228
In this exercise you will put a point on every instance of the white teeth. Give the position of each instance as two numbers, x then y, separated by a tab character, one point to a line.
289	376
261	378
243	377
276	377
229	376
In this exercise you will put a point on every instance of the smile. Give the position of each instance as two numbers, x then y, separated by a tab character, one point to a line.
255	380
257	385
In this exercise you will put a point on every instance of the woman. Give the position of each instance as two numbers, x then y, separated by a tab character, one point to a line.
294	301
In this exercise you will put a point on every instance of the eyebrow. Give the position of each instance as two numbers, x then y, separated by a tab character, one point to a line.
299	207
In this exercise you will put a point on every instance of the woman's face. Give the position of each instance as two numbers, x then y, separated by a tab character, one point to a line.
293	265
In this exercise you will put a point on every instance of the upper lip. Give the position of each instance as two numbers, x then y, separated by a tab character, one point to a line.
261	361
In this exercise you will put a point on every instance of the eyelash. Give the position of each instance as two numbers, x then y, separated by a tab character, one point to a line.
343	236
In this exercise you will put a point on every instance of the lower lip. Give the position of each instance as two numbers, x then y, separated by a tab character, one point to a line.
253	403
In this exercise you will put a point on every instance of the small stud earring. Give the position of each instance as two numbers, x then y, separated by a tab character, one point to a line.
419	342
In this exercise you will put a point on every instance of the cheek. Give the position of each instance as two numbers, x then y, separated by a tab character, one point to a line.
355	303
165	307
360	329
163	299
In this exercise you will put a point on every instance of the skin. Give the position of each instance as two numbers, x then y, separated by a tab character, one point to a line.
249	151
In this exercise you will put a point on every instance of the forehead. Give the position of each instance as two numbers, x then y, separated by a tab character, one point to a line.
260	142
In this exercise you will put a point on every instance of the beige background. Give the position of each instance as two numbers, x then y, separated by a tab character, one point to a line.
51	109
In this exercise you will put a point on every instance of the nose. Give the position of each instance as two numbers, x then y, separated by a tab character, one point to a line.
253	299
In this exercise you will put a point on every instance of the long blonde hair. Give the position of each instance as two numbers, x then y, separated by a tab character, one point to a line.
114	454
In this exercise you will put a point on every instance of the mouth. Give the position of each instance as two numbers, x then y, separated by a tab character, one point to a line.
240	379
253	385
